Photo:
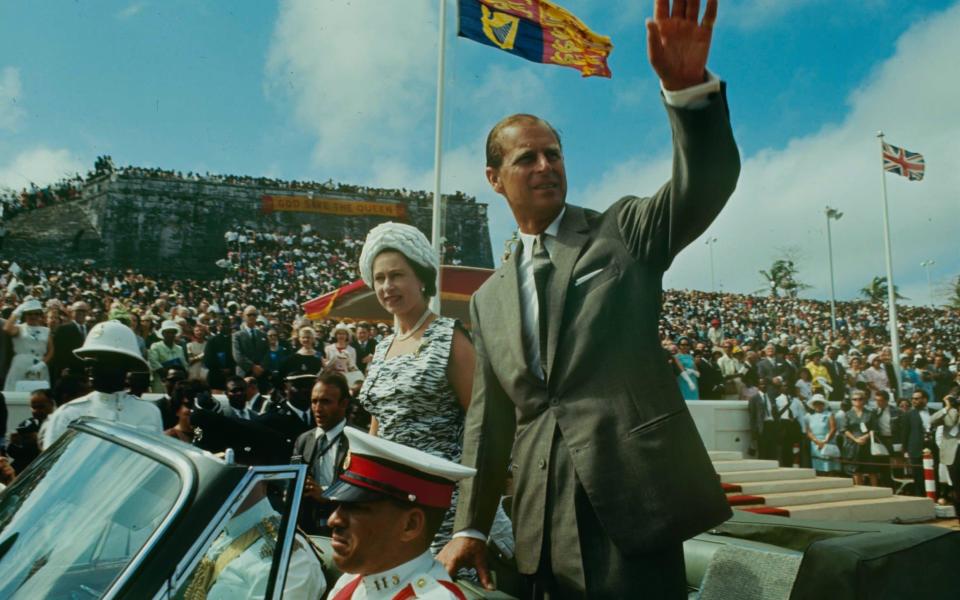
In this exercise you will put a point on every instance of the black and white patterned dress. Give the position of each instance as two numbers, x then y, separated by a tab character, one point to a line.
415	405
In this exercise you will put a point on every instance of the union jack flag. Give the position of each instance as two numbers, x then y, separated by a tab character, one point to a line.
903	162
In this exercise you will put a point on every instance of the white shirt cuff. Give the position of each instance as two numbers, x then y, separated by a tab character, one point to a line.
471	533
694	96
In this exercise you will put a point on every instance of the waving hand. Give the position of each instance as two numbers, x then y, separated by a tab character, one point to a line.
678	44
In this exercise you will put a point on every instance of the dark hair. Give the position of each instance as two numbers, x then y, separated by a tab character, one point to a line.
922	391
494	145
45	392
433	517
336	380
240	381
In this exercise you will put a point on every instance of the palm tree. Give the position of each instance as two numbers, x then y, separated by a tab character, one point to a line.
876	290
953	300
782	277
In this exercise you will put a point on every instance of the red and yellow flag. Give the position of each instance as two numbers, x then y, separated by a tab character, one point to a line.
537	30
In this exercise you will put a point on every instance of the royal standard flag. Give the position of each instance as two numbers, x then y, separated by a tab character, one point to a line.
536	30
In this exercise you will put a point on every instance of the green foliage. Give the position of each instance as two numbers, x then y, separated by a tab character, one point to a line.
876	290
782	278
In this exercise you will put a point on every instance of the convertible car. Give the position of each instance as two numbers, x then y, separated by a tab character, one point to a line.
112	512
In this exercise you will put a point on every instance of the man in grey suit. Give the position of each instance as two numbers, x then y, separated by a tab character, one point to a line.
609	471
323	449
250	347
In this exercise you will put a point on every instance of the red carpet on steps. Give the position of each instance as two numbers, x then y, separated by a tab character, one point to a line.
768	510
744	499
730	487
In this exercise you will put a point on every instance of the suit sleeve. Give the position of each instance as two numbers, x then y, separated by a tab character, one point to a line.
706	165
487	441
242	361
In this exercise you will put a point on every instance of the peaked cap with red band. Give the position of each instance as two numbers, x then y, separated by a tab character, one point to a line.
377	468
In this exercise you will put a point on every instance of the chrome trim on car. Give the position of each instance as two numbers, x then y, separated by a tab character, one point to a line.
300	478
183	467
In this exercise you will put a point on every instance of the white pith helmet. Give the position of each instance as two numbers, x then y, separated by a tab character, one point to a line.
113	337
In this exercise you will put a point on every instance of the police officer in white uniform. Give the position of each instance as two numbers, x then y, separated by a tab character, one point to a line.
390	501
111	350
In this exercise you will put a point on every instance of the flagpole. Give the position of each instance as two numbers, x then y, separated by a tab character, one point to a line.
438	152
891	289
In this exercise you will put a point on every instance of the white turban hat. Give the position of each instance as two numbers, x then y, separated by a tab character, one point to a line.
406	239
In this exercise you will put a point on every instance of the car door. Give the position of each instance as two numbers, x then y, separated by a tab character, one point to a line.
245	551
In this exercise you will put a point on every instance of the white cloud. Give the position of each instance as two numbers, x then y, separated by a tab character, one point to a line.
131	10
354	78
40	165
368	96
11	111
782	193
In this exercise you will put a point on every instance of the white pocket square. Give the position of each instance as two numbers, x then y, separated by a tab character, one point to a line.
585	278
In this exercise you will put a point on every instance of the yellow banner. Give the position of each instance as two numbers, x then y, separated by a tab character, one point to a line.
331	206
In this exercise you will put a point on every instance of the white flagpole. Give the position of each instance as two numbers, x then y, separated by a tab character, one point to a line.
438	152
891	290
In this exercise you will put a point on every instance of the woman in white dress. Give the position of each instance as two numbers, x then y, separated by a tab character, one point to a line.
32	348
340	356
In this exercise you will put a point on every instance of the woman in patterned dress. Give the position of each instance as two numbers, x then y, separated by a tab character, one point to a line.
418	385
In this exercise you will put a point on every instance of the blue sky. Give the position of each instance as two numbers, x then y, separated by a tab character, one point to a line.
319	89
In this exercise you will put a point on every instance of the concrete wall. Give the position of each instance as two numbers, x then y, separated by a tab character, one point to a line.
176	227
723	424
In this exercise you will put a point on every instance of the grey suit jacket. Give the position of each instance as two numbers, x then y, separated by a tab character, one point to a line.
631	439
249	348
305	447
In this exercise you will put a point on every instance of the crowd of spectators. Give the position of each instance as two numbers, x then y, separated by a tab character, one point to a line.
14	202
716	342
835	399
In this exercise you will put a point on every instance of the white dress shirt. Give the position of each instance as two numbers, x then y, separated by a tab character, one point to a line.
325	465
529	303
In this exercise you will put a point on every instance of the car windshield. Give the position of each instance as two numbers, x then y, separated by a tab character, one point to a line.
76	518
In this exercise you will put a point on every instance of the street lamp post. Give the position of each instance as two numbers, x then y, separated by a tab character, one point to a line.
832	215
713	279
926	265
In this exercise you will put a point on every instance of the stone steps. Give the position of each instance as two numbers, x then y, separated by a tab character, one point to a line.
731	466
716	455
906	509
818	496
803	495
793	485
776	474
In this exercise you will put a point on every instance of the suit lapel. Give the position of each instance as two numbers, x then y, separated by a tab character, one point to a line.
506	337
569	243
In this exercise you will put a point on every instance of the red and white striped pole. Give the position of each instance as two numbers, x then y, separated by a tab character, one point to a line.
929	482
796	455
